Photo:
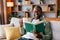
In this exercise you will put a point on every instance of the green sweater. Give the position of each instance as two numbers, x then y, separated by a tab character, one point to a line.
48	31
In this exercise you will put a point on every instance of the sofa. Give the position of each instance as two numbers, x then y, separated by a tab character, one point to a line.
55	25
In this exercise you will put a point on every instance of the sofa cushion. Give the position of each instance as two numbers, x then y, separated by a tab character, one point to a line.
15	21
12	32
2	32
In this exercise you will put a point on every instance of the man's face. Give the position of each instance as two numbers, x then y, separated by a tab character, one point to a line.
36	15
37	12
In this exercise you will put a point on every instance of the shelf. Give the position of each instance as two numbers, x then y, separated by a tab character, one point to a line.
52	19
25	5
27	11
44	4
32	11
36	4
51	4
40	4
49	11
18	4
22	11
22	5
49	19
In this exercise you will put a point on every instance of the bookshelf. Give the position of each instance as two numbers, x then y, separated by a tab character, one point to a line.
20	4
49	7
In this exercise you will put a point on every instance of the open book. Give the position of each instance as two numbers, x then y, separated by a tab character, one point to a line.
39	27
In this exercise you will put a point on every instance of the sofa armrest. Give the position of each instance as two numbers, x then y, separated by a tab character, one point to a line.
55	25
2	32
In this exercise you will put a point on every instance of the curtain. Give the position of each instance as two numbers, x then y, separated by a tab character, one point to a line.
1	12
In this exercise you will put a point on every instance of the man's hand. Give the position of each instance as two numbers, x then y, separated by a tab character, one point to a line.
37	35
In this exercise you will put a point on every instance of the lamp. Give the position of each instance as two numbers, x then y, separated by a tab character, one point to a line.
10	4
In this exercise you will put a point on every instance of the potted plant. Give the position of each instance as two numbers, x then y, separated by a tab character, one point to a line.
12	14
19	2
27	2
41	1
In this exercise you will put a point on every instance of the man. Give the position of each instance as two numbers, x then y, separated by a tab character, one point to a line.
46	35
38	16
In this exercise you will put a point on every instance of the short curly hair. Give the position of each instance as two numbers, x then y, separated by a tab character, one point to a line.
38	7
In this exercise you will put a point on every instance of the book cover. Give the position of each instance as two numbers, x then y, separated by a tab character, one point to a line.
39	27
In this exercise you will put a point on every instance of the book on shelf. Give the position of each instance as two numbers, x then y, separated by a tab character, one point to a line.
39	27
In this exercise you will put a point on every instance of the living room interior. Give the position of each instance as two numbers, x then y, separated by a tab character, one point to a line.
11	11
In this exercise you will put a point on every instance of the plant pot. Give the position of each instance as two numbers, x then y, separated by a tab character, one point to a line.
41	2
27	2
45	9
